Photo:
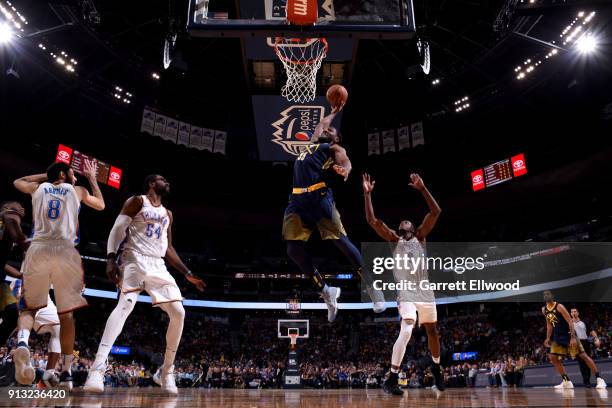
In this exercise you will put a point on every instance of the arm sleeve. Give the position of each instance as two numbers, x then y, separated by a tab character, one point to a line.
118	233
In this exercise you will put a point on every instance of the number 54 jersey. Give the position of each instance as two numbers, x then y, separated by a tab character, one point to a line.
56	212
148	232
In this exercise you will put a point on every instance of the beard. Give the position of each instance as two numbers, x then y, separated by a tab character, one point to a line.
163	191
324	139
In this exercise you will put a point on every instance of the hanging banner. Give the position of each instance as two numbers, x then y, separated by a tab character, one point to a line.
208	136
373	143
403	137
160	125
171	131
148	121
195	139
220	140
418	138
388	138
183	133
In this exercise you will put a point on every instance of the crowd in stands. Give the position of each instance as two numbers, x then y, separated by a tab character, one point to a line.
229	352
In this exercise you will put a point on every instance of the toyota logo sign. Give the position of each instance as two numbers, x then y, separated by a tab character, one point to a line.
518	164
477	179
115	176
64	156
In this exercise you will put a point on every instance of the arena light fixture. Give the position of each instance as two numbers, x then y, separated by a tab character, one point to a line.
6	33
587	43
155	75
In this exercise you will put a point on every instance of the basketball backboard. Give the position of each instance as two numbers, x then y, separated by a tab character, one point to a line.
365	19
288	327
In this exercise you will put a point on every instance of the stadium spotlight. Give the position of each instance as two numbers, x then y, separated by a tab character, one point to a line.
6	33
586	44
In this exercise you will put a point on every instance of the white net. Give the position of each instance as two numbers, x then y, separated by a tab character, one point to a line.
302	59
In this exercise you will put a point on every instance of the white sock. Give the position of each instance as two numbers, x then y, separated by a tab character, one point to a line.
176	312
399	348
67	359
436	359
23	335
325	289
113	328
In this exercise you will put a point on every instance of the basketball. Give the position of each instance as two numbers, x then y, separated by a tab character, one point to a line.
337	95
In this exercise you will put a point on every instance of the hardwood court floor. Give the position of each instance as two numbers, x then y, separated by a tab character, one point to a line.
479	397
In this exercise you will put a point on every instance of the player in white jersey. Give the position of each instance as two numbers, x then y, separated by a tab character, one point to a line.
143	232
46	320
411	241
52	258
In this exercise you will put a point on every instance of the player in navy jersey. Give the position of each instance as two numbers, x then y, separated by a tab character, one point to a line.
312	205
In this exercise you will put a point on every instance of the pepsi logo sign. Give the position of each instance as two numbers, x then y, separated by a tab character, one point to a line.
115	176
518	164
477	179
302	136
63	155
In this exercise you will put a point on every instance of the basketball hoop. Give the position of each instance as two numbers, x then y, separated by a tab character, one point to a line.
302	59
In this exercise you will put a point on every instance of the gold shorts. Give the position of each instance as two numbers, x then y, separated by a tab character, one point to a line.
567	351
294	229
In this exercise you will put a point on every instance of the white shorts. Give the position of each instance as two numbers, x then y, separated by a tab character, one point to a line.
427	311
55	263
46	318
141	272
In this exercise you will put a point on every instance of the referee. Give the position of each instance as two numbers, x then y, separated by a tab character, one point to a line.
581	333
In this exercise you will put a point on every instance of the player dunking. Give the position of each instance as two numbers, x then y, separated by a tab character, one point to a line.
312	204
52	258
410	241
143	232
560	329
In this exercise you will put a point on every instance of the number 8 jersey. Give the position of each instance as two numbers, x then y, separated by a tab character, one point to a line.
56	212
148	232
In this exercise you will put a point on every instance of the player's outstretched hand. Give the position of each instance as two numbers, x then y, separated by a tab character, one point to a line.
368	185
337	108
90	168
341	171
197	282
113	273
417	182
547	343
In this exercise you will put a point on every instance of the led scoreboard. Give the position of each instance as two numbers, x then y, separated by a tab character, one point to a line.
499	172
107	174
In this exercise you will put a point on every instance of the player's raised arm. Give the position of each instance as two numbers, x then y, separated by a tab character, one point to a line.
173	259
95	201
434	209
117	235
380	227
325	123
342	164
29	184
